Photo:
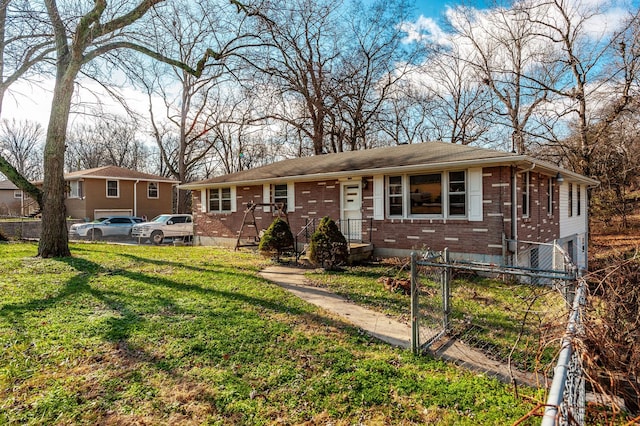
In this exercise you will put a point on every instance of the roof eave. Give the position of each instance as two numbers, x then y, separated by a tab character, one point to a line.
164	180
523	161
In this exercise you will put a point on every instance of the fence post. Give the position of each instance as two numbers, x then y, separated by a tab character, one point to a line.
415	336
446	278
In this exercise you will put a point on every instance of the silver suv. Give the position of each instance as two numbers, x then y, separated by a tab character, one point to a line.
110	226
165	226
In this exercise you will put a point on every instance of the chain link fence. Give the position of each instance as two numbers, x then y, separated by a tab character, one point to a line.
515	320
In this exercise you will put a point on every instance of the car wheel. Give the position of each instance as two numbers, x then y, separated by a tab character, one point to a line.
95	234
157	237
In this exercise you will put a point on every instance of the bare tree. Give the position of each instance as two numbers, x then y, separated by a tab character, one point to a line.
302	44
616	165
506	52
240	136
406	115
375	59
21	144
25	46
580	50
184	134
82	36
461	102
112	141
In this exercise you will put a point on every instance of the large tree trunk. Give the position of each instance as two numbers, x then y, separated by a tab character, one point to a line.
54	240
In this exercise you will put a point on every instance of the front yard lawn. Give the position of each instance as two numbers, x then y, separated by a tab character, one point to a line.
191	335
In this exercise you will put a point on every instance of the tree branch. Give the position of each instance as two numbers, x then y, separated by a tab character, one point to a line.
197	72
18	180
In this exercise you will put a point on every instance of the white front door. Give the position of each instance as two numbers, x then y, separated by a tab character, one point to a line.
351	211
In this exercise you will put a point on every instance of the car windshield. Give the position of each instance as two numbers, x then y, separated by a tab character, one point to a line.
162	218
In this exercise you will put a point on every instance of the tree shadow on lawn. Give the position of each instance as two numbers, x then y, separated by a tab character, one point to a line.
129	357
121	327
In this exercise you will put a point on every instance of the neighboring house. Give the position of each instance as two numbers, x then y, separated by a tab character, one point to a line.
11	199
408	197
111	190
15	202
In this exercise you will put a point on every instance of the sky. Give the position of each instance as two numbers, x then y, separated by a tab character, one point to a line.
435	9
31	101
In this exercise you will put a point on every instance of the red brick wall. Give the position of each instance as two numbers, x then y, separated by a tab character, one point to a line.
539	226
312	200
319	199
459	235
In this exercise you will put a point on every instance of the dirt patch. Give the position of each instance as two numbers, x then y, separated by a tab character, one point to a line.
612	240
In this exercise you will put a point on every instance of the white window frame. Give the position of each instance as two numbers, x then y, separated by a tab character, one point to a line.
570	200
268	190
450	192
526	194
17	194
219	192
75	189
117	188
399	195
157	190
280	198
444	196
405	195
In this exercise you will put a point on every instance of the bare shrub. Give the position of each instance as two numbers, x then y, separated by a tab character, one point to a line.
612	329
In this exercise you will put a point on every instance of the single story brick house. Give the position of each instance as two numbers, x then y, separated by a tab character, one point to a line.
112	190
408	197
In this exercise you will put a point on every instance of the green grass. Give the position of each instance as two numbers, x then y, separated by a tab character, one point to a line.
505	320
192	335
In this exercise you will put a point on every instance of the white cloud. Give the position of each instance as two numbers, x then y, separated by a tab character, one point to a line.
424	30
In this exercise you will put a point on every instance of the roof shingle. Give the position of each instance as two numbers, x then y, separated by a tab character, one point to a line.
352	161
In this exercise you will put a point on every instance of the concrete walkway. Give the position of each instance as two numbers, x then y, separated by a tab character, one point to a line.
389	330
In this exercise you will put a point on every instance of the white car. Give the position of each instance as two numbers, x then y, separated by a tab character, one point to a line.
164	226
110	226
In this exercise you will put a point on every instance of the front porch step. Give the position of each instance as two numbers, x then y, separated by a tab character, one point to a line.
360	251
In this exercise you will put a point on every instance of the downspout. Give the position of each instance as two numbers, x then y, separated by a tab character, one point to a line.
135	197
514	209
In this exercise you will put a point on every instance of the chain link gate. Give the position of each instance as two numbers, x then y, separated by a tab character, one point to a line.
430	300
549	271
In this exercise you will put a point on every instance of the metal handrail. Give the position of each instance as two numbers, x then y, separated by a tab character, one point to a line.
361	221
310	224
